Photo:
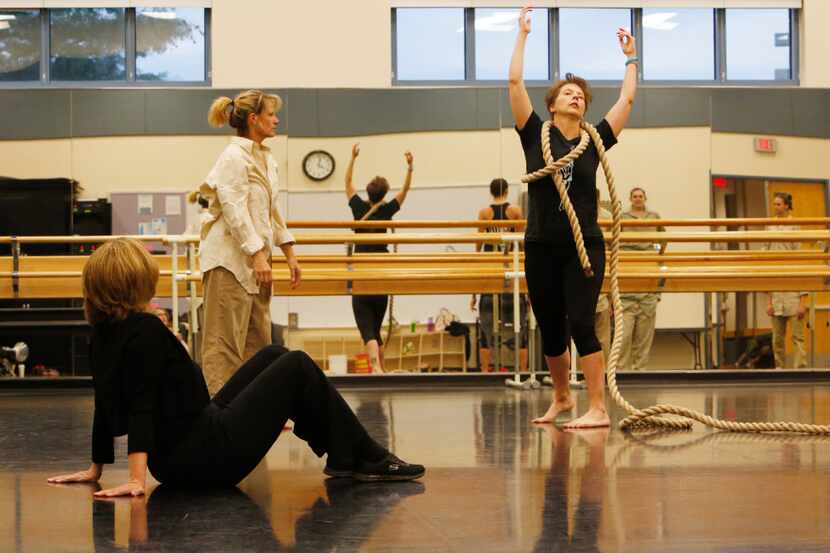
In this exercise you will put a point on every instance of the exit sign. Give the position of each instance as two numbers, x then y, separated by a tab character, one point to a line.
766	145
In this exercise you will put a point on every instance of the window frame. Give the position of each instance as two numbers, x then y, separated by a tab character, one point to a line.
554	70
130	61
795	69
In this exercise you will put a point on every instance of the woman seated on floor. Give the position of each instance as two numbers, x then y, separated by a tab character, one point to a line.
147	387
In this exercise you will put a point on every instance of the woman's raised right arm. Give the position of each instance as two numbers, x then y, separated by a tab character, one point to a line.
519	99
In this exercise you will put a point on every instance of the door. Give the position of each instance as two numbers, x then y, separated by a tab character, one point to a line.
809	200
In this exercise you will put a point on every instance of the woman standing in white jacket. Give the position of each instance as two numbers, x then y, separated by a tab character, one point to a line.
237	239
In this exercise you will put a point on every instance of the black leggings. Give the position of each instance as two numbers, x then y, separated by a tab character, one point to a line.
368	314
563	299
244	419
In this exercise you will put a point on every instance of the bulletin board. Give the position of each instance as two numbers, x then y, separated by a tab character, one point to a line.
149	213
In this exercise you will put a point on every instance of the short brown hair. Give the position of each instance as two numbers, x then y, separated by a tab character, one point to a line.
377	189
119	278
553	92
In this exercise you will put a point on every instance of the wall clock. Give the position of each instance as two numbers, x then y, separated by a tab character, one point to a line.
318	165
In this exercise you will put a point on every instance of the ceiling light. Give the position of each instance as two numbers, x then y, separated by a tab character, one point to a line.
6	17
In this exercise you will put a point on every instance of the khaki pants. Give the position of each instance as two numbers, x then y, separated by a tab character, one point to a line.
237	325
639	317
602	327
779	337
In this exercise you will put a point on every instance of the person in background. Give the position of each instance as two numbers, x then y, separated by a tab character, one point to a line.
786	308
205	216
498	210
166	316
602	317
370	310
639	309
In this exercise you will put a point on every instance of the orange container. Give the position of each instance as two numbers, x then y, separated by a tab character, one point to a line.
362	365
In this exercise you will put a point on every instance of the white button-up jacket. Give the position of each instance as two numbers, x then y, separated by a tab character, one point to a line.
244	211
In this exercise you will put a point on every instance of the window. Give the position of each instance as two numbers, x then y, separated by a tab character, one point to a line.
104	46
758	45
495	36
170	44
88	44
691	45
678	44
19	45
430	44
588	44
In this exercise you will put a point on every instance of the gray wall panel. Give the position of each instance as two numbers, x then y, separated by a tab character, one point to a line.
605	98
356	112
753	111
451	110
108	112
811	113
171	111
408	112
53	113
672	107
488	102
35	114
299	116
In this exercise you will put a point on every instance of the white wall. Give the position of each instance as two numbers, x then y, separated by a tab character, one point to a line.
815	43
292	43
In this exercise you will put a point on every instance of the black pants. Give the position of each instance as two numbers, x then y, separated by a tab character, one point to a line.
563	299
368	314
485	316
244	419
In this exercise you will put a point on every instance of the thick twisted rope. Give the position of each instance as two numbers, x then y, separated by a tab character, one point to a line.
638	418
552	168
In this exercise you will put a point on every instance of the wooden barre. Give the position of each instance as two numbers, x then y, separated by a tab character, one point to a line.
634	256
47	266
629	256
452	273
463	238
521	223
424	224
456	274
631	237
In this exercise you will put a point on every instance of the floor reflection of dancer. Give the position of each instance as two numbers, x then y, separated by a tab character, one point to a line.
185	520
562	298
370	310
591	493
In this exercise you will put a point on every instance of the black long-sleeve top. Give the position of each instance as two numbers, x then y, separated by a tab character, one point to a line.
146	386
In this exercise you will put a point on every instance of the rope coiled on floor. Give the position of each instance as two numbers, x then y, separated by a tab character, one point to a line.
649	417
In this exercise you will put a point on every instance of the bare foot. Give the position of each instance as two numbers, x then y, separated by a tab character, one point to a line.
594	418
553	411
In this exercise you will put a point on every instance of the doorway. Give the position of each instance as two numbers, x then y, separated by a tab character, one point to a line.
742	315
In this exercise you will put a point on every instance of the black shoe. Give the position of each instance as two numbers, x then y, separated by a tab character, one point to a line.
388	469
338	471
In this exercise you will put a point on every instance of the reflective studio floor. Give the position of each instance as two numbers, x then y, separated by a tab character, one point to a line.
494	482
